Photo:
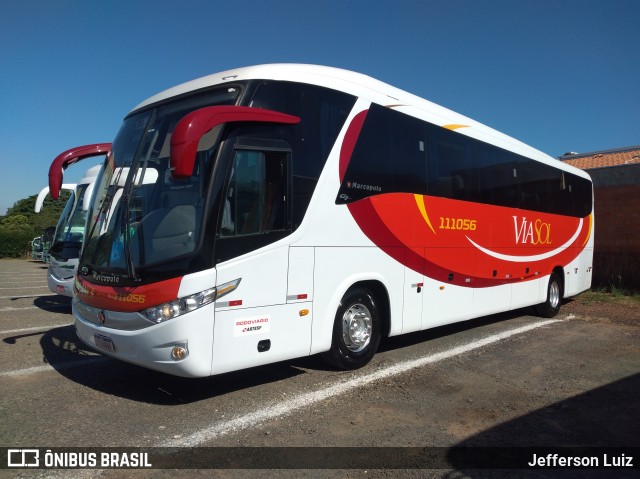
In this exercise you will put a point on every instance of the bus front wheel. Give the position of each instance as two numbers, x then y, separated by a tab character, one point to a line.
356	331
551	306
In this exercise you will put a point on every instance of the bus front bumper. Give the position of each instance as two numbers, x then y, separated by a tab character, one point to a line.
181	346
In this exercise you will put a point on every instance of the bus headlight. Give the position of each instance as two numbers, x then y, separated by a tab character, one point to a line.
173	309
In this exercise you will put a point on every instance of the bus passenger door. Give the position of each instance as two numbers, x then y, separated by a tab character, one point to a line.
257	323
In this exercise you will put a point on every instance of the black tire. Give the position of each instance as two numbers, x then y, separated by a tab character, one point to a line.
356	331
552	304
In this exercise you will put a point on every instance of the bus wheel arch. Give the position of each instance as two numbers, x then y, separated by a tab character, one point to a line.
555	292
361	320
382	295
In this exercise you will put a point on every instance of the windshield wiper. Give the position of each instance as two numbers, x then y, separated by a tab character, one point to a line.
126	235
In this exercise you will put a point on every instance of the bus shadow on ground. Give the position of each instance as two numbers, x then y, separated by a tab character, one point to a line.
404	340
39	263
53	303
64	351
603	420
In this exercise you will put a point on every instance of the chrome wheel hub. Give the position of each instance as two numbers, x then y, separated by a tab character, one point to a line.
356	327
554	295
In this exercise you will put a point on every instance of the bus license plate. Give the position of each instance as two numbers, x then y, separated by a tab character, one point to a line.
104	342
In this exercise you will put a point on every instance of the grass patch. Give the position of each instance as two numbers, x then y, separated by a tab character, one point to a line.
610	296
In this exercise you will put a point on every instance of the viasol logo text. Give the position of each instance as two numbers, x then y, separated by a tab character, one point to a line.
531	232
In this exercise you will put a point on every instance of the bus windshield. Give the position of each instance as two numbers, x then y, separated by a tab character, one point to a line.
70	228
141	215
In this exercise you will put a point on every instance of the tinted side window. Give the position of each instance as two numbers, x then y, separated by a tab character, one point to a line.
388	157
451	172
323	112
581	190
398	153
533	180
256	194
495	173
255	209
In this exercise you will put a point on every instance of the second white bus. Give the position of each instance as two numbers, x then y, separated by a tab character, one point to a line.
68	234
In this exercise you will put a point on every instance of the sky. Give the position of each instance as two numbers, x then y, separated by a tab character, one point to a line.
559	75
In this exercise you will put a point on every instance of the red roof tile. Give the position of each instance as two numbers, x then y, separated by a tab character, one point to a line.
601	159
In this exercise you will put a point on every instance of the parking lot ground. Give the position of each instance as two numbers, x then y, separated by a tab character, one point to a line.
506	380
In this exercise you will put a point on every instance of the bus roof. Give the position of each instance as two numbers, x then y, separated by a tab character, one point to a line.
364	86
350	82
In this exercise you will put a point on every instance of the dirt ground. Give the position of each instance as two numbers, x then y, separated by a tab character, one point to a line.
573	382
617	309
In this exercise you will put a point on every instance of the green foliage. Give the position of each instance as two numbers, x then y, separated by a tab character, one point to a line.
604	296
49	214
15	244
18	222
21	223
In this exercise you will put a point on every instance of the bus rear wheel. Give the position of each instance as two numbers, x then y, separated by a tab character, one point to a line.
551	306
356	331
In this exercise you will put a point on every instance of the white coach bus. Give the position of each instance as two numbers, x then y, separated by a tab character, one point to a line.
278	211
69	235
69	232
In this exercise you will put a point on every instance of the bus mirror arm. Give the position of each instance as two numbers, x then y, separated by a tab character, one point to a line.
69	157
189	130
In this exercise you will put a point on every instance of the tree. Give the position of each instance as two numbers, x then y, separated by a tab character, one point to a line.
16	222
21	223
48	216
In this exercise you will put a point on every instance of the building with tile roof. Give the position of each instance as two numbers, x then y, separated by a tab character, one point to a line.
616	185
603	159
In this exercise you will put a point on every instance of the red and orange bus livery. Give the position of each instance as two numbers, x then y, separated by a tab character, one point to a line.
277	211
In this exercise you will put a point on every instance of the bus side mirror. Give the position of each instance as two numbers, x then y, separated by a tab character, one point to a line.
69	157
45	191
189	130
